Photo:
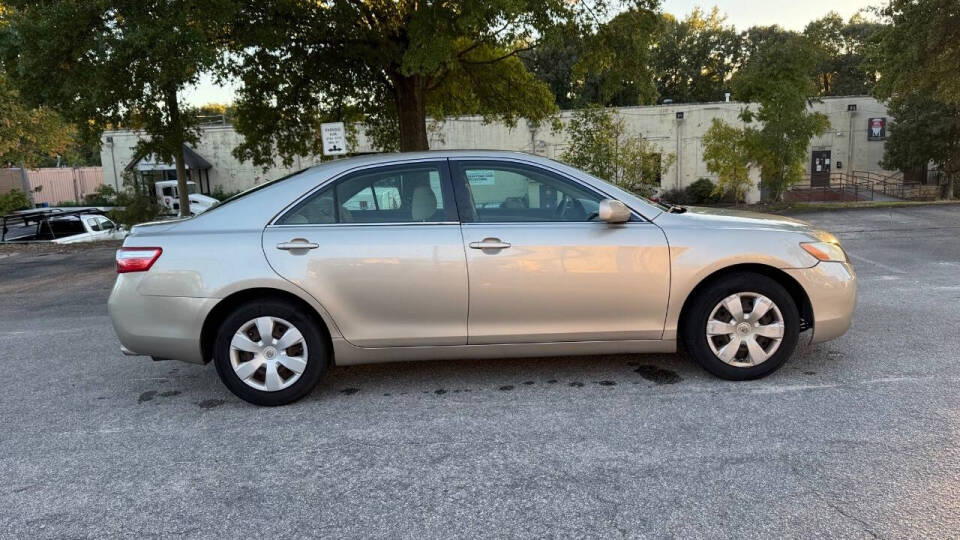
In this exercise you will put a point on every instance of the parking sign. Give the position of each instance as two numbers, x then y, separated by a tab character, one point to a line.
334	137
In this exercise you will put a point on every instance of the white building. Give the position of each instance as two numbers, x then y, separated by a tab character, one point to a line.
854	141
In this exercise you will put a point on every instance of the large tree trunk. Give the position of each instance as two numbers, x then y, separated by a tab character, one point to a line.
410	93
176	124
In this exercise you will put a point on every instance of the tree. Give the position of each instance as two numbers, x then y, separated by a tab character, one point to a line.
694	58
27	134
600	145
302	63
116	60
726	153
843	67
918	56
924	130
919	50
777	77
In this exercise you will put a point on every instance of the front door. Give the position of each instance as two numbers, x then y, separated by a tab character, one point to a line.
542	268
381	250
820	169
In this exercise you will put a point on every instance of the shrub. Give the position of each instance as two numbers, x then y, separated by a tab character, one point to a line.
105	195
674	196
221	195
701	192
133	208
12	201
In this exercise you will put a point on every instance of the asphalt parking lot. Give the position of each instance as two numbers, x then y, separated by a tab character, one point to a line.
857	437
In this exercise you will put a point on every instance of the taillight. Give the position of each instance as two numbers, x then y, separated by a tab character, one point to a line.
137	259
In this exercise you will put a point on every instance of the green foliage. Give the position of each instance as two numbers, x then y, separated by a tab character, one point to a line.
695	57
843	67
221	195
28	135
703	191
924	130
134	207
388	63
919	50
105	195
12	201
726	153
120	62
600	145
609	65
777	76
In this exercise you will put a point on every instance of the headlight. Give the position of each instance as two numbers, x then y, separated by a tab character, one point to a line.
825	251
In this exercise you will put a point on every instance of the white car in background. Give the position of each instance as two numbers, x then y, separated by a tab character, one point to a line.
169	197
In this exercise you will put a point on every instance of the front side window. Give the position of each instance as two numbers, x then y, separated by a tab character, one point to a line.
506	192
396	194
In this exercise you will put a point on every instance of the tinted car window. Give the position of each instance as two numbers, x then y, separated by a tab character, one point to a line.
409	194
503	192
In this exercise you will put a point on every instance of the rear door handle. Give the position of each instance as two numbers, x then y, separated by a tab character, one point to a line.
490	243
297	243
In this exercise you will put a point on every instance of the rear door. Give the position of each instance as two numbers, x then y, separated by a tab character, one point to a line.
542	267
381	250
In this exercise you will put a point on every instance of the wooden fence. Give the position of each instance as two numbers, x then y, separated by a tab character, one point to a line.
53	185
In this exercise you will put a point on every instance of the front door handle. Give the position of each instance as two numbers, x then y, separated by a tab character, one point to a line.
297	243
490	243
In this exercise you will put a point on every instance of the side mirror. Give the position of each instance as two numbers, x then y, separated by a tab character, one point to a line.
613	211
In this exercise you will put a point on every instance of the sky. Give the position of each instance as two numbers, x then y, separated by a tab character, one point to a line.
790	14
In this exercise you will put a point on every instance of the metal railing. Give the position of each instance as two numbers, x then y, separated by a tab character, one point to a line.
862	186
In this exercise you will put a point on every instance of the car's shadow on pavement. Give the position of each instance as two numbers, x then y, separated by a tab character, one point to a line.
505	378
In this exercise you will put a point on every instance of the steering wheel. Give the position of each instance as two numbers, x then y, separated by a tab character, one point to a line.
569	208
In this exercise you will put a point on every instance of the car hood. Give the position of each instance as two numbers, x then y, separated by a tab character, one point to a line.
727	218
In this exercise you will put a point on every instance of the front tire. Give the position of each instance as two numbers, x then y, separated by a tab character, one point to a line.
270	353
741	327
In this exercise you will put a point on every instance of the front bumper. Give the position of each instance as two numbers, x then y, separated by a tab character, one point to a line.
832	289
158	326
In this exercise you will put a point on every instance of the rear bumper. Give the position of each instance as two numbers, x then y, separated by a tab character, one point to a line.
832	289
158	326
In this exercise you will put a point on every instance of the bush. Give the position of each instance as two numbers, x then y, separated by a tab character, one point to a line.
12	201
221	195
674	196
134	208
104	196
701	192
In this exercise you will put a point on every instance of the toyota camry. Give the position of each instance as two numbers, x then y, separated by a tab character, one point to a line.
451	255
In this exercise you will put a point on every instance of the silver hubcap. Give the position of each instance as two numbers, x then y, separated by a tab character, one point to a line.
745	329
268	353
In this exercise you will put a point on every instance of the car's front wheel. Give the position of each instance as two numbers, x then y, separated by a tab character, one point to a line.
270	353
743	326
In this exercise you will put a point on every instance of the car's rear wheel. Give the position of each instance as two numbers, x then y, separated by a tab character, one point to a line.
270	353
740	327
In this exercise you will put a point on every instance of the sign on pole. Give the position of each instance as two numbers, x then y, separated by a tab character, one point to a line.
334	136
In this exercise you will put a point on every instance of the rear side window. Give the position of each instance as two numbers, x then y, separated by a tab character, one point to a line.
397	194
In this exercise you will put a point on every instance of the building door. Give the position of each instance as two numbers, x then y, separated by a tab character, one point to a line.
820	169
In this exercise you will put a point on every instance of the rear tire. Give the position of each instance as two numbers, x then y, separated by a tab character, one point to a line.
270	353
740	346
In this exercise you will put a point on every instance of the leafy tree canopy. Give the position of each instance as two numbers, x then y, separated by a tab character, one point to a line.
727	154
600	144
390	63
28	135
919	49
843	67
694	58
119	60
777	78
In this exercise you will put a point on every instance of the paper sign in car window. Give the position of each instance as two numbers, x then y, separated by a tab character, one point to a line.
480	177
